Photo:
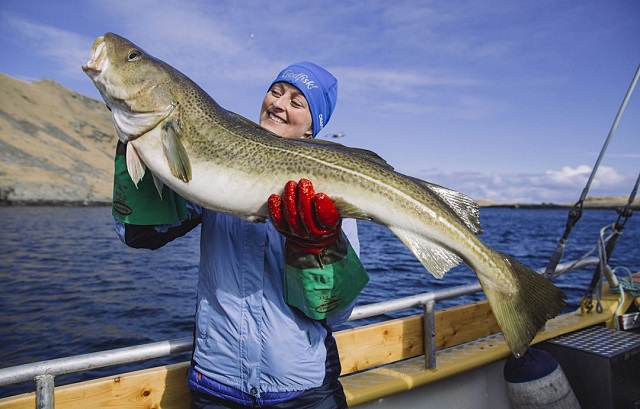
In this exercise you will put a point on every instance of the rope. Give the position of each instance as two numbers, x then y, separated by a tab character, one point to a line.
627	285
605	250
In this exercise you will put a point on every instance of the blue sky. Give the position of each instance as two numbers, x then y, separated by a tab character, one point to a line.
502	100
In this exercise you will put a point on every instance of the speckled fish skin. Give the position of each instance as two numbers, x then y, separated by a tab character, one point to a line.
224	162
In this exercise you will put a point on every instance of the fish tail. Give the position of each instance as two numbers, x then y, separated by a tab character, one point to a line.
522	313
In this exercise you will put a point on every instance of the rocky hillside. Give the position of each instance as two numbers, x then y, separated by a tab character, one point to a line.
56	146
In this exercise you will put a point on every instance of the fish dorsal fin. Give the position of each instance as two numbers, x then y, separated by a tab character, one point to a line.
244	120
434	258
362	153
135	166
465	207
174	151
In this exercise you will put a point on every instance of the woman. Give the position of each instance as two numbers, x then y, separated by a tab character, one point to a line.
264	310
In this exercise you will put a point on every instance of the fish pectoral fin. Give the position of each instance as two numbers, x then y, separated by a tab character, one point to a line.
174	151
465	207
348	210
135	166
435	259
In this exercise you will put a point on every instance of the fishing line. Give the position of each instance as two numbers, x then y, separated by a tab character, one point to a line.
576	211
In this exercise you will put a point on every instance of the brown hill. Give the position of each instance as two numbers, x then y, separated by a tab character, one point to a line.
56	146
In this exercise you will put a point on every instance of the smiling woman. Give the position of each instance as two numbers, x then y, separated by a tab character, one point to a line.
237	164
260	285
285	112
293	96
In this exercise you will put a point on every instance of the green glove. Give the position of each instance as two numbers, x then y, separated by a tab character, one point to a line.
143	205
320	285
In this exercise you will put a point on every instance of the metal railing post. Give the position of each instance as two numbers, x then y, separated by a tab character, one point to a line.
429	334
45	396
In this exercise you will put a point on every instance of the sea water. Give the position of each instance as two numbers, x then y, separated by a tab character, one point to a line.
68	285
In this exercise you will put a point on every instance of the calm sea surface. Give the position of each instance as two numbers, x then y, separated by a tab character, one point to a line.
69	286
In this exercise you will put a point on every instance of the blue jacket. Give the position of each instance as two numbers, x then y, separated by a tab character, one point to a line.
246	336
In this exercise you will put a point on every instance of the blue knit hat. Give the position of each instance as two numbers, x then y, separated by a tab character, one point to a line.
319	87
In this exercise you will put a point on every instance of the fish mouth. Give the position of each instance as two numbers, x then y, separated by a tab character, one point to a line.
98	61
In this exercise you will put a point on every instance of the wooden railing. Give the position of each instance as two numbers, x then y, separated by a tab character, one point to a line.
360	349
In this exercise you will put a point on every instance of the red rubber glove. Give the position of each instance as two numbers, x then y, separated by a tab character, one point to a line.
309	220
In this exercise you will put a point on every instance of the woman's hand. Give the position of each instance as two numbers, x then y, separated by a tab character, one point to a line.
309	220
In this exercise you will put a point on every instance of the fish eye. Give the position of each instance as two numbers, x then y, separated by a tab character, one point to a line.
134	55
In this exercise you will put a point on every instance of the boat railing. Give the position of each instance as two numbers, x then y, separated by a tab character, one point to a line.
44	372
428	300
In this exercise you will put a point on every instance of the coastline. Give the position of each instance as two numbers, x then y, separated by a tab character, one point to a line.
589	204
55	203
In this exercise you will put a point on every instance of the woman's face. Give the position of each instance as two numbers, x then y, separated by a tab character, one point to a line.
285	112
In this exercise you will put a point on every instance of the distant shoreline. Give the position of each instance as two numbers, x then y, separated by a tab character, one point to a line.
103	203
587	206
595	203
55	203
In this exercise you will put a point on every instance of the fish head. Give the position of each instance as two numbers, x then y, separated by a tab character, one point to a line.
135	86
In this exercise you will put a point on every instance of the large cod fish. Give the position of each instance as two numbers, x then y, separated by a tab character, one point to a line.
227	163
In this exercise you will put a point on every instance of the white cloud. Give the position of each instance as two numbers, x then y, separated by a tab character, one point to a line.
567	176
399	81
554	186
578	176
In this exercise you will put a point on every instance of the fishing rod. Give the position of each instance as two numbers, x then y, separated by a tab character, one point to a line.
624	213
575	213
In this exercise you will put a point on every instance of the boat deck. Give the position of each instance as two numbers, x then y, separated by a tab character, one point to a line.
380	361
